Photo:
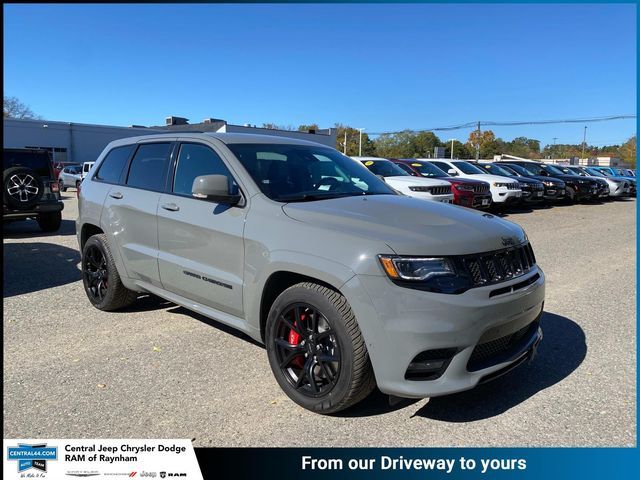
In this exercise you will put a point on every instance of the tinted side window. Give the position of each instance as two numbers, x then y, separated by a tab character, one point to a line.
441	166
195	160
147	167
111	167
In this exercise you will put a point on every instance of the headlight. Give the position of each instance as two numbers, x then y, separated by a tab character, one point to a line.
420	189
415	268
463	187
500	184
548	184
431	274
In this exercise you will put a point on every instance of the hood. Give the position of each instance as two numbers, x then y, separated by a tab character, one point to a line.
410	180
529	181
554	180
409	226
464	181
487	177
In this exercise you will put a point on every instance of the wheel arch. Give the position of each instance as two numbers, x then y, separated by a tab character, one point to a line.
277	283
88	230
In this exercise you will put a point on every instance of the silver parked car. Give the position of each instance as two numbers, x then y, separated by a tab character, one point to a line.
349	284
70	177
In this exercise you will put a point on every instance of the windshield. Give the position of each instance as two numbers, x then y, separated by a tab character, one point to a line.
468	169
296	173
512	171
521	170
428	170
554	169
571	171
385	168
495	170
594	172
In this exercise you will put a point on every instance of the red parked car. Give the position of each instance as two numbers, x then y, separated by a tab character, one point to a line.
466	192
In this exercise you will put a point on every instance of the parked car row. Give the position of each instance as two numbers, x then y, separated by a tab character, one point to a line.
498	184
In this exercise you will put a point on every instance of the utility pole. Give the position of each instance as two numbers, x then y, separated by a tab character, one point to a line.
584	141
452	140
345	142
360	149
478	144
554	145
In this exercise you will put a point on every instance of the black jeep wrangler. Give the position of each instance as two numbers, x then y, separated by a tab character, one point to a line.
30	189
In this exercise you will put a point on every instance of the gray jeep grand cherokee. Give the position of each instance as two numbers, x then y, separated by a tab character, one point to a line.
348	284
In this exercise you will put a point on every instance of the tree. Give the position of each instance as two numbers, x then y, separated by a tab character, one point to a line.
306	128
629	151
353	141
486	142
14	108
460	150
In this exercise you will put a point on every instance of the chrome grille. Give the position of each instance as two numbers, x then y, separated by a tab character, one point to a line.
481	188
513	186
445	190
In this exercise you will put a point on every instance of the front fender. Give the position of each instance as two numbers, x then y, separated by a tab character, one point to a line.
261	266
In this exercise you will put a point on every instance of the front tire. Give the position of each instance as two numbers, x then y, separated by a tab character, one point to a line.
316	350
49	222
100	276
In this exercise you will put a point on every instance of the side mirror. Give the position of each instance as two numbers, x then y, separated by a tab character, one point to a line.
381	178
452	172
214	188
544	173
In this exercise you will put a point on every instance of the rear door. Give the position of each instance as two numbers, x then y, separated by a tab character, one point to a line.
201	242
131	209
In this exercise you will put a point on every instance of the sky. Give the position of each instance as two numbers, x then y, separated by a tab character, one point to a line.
379	67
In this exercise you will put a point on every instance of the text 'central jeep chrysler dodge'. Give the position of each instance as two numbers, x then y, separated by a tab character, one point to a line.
349	284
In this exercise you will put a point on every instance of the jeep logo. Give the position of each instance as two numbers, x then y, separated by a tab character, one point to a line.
508	241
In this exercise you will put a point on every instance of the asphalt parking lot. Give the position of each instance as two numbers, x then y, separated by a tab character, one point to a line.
160	371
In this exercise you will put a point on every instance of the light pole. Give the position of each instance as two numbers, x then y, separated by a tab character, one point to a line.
584	141
360	149
452	140
554	145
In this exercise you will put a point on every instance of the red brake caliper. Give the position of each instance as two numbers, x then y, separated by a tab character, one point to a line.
294	339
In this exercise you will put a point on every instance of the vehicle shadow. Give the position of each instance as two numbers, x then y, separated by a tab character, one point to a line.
177	309
560	353
29	228
33	266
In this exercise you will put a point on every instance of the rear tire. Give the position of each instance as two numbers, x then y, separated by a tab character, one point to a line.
49	222
334	355
100	276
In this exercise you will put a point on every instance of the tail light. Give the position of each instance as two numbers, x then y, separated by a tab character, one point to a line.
55	187
78	190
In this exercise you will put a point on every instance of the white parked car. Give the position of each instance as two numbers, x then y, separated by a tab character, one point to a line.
419	187
86	167
70	177
503	190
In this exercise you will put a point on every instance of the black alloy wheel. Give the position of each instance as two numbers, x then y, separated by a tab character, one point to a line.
96	274
307	350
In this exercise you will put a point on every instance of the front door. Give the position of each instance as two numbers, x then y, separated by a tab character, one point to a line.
201	242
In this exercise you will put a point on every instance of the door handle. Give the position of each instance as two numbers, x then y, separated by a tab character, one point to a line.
172	207
116	195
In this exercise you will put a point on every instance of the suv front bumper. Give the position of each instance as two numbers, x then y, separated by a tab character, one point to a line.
399	323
